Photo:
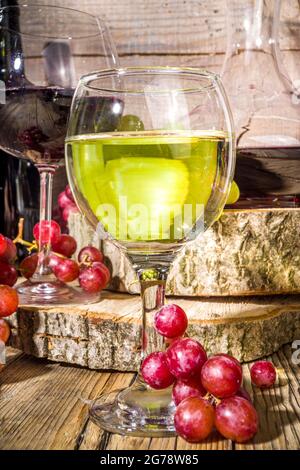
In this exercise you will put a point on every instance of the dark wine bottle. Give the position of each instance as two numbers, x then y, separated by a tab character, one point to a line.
19	179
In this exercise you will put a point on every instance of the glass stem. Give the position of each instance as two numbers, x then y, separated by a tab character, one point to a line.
152	276
46	188
153	298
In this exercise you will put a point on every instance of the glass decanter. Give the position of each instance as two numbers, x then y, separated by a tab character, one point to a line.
265	106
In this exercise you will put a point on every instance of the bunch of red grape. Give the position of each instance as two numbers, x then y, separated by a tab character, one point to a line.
89	269
207	392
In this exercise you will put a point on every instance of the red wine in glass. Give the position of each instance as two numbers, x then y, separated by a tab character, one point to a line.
35	119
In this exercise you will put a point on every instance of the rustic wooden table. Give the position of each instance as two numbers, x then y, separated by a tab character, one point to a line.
43	406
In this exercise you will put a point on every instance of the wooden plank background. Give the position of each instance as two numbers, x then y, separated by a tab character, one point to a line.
179	32
191	33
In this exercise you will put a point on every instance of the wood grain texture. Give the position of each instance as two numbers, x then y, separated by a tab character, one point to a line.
52	414
91	436
175	32
156	27
278	407
172	26
213	442
246	252
58	396
106	335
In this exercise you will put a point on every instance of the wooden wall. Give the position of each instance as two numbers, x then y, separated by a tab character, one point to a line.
179	32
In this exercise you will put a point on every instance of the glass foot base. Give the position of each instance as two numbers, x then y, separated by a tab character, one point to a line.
135	411
53	293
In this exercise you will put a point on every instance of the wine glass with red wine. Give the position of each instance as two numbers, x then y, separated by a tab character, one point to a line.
48	48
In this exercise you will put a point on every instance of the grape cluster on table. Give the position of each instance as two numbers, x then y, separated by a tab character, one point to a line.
88	269
207	391
92	274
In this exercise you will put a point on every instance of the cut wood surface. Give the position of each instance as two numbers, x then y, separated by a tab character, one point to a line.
106	335
44	406
246	252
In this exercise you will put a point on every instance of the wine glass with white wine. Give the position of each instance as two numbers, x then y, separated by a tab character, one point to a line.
159	180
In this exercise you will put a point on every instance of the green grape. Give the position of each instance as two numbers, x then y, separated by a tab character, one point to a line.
130	122
150	275
234	194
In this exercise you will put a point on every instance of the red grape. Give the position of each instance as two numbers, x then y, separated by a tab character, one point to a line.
171	321
155	371
104	269
185	357
194	419
90	254
65	245
11	251
69	193
8	274
183	389
9	301
222	375
66	270
68	210
3	244
92	279
4	331
236	419
28	265
263	374
32	137
46	232
63	200
232	359
54	260
242	392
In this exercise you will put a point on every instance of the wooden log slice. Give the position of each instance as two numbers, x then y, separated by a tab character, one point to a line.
106	335
247	252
